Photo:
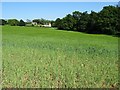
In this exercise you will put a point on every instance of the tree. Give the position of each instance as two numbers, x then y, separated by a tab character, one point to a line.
71	22
83	22
91	25
53	24
41	21
104	22
68	22
76	16
13	22
21	23
3	22
107	22
58	23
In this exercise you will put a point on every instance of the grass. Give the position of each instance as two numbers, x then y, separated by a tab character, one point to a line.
49	58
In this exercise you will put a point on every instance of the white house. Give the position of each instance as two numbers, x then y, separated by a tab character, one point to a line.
34	23
47	25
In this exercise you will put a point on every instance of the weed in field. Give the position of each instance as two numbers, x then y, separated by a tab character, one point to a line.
43	57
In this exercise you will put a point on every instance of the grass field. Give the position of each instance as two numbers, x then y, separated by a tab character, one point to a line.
49	58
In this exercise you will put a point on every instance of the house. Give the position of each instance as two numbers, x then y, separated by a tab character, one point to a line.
44	25
34	23
47	25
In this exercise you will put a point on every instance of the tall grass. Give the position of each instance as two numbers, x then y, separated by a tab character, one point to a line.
48	58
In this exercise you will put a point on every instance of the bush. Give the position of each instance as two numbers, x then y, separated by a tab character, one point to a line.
21	23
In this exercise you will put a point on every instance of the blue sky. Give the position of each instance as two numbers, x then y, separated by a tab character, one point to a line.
48	10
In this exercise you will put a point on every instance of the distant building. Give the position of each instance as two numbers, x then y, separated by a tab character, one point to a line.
47	25
34	23
44	25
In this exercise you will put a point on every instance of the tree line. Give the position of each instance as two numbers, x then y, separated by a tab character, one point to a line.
12	22
41	21
104	22
15	22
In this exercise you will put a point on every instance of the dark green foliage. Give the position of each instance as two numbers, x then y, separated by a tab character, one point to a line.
67	22
41	21
53	24
92	23
76	16
104	22
21	23
3	22
118	23
59	23
108	20
83	22
13	22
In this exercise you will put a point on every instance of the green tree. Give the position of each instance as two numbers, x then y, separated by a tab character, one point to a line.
3	22
91	25
13	22
59	23
107	22
53	24
76	16
21	23
83	22
41	21
68	22
104	22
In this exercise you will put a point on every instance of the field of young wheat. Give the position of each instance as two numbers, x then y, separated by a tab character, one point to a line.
50	58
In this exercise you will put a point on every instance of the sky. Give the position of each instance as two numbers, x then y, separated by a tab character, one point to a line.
48	10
